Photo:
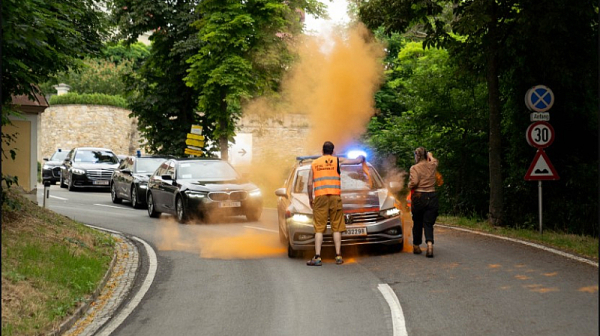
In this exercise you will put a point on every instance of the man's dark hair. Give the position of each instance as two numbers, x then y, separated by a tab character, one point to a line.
328	147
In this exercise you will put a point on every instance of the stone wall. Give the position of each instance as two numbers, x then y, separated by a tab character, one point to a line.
68	126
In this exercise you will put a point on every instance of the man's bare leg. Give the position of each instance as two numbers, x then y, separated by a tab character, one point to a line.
318	243
337	241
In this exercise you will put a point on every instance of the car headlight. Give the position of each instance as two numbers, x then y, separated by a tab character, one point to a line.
195	194
302	218
388	213
78	171
255	193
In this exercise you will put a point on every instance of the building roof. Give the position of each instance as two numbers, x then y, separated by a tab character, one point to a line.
26	105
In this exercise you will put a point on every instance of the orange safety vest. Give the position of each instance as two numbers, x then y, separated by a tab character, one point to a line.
326	179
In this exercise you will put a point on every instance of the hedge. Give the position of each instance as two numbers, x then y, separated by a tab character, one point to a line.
88	99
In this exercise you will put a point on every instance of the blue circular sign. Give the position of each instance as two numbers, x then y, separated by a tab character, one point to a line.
539	98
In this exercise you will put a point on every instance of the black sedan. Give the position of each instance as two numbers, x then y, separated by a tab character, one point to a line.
130	180
51	168
201	188
88	167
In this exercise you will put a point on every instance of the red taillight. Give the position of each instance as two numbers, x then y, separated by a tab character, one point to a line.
288	214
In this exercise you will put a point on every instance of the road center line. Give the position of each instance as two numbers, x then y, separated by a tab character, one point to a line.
116	321
398	323
259	228
112	206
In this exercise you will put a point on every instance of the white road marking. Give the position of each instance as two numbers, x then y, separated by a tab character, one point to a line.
398	322
542	247
116	321
60	198
259	228
113	206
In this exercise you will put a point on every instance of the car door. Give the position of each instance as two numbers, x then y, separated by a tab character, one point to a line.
67	163
155	186
126	177
118	178
169	188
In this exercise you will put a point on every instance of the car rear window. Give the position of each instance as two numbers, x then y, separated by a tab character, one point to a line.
59	156
148	165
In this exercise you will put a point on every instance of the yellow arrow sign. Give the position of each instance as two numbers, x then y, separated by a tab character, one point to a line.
192	142
195	136
196	129
193	152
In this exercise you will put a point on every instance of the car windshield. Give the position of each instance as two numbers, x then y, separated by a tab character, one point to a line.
148	165
206	170
353	179
59	156
96	156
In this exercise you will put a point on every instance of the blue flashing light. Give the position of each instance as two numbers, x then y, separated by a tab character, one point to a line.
353	154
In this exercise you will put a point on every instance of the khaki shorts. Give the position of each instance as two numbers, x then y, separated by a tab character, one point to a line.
328	206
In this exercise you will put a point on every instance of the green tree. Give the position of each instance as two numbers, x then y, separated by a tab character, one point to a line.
243	54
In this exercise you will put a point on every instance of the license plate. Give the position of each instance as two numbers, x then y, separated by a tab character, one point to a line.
101	182
230	204
355	232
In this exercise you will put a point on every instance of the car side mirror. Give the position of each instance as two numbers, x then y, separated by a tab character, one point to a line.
281	192
45	159
166	177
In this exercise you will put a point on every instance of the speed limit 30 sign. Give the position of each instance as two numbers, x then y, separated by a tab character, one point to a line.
540	134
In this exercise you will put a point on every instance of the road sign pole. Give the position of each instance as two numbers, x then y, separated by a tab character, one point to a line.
540	203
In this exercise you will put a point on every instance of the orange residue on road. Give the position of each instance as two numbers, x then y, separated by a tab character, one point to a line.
522	277
541	289
494	266
551	274
589	289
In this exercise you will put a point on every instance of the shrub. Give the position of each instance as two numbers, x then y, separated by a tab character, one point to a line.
89	99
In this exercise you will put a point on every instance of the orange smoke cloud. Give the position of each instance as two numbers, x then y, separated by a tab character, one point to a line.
334	82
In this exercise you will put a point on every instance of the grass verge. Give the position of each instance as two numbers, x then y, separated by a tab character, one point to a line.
50	264
584	246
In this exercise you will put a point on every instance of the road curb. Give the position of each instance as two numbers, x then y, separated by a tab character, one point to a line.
524	242
110	294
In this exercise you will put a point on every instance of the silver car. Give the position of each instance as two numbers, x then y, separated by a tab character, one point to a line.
369	210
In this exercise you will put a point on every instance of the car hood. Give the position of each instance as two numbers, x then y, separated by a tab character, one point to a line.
53	163
216	185
106	166
352	201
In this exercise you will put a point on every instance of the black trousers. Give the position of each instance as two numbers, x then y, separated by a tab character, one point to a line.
424	208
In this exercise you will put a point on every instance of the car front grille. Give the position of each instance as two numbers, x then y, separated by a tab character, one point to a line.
362	217
100	174
231	195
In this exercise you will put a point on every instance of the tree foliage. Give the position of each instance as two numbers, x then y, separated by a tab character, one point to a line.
513	45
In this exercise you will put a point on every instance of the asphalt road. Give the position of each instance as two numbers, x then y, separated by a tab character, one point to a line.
234	278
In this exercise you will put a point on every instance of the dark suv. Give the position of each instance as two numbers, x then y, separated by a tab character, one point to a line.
88	167
51	168
370	210
130	181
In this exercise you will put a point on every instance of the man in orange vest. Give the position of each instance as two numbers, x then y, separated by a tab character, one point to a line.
325	183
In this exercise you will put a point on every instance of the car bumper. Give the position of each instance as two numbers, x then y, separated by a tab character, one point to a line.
205	205
86	181
386	232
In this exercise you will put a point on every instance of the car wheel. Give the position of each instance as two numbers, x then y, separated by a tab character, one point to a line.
182	215
62	183
253	214
135	202
71	185
113	194
151	209
291	252
396	248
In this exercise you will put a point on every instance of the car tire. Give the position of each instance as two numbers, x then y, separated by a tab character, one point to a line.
62	183
113	194
135	201
182	215
253	215
292	253
396	248
151	208
71	185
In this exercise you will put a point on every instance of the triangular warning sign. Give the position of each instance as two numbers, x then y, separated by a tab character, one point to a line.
541	168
